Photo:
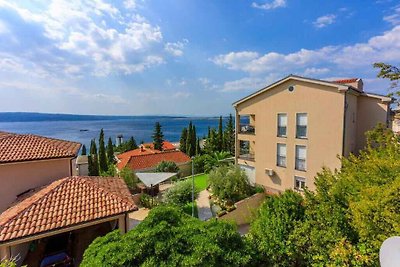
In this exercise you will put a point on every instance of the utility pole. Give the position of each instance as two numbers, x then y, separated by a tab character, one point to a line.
192	186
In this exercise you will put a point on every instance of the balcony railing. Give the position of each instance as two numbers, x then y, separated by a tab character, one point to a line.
247	129
248	156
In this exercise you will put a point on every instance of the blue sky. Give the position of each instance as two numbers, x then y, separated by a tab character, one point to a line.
182	57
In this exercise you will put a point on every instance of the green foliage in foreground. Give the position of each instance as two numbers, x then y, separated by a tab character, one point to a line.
345	221
181	193
168	237
167	166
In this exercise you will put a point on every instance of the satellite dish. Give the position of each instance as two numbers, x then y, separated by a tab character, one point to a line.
389	254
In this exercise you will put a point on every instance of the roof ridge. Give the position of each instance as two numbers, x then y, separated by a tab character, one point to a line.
158	153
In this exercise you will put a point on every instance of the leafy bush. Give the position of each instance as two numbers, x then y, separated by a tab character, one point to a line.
147	201
215	160
168	237
129	178
180	194
229	183
269	233
167	166
199	163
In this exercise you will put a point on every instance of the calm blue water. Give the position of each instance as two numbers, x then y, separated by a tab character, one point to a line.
68	126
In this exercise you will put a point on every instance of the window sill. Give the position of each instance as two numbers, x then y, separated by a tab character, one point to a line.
281	136
281	166
301	138
300	170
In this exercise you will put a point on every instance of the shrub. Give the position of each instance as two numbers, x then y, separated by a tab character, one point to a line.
148	201
199	163
181	193
129	178
168	237
230	183
167	166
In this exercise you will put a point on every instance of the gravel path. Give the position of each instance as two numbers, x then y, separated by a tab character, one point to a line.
203	206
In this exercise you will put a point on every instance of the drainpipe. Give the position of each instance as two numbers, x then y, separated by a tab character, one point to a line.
344	122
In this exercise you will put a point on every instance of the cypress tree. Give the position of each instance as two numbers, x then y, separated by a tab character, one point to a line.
102	153
182	141
229	136
158	137
83	152
198	148
110	152
189	138
94	168
193	143
220	136
132	143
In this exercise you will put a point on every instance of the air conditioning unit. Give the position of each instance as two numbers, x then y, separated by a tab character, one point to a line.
270	172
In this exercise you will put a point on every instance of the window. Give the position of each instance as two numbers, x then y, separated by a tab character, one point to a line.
301	152
301	125
299	183
281	155
282	123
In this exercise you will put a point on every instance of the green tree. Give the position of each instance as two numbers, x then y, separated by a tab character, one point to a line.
387	71
182	141
168	237
230	183
181	193
102	153
92	159
167	166
220	137
211	143
216	159
198	148
83	152
158	137
229	136
199	162
269	234
193	142
189	140
110	152
129	178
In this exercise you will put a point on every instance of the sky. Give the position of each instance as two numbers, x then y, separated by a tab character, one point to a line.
183	57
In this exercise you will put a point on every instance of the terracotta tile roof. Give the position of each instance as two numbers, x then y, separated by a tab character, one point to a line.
345	81
145	149
167	146
141	162
63	203
25	147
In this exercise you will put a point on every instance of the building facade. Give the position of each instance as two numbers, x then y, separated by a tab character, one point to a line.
288	131
29	161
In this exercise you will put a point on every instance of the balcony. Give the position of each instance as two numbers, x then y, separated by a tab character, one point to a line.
246	151
246	124
247	129
249	156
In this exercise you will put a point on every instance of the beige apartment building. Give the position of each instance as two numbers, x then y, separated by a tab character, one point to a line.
288	131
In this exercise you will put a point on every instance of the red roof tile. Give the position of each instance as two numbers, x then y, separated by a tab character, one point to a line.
345	81
141	162
145	149
66	202
25	147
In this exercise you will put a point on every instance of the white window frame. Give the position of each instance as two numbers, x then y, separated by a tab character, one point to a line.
301	181
299	158
280	158
281	126
299	124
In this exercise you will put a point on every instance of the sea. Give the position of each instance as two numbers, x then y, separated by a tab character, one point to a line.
83	128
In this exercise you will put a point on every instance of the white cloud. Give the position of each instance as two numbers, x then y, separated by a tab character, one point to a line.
310	72
270	5
181	95
81	29
394	18
324	21
130	4
384	47
176	49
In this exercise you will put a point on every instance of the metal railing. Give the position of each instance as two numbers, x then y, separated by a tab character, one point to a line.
248	156
247	129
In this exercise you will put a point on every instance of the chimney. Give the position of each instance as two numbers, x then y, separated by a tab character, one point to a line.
354	82
141	148
120	139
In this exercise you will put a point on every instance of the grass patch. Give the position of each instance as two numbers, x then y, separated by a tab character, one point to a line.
188	209
200	181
